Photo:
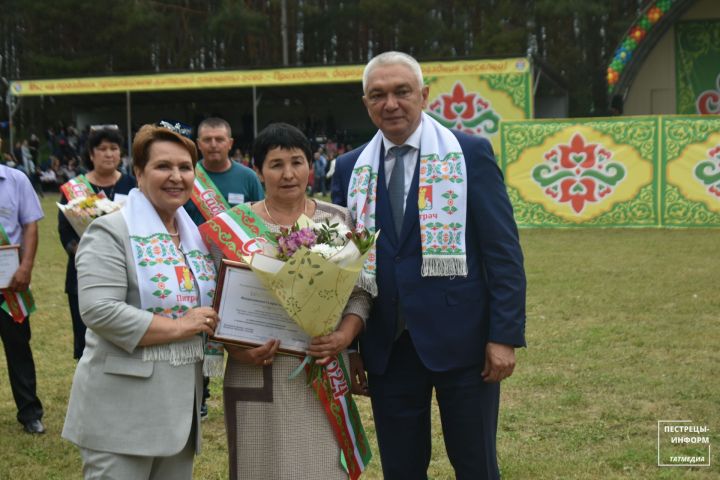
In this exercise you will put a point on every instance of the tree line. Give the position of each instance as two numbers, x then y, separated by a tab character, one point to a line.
60	38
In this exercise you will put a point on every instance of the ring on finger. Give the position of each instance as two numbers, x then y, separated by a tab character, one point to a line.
208	320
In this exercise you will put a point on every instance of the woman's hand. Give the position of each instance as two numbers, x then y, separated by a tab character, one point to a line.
326	346
166	330
197	320
358	379
329	345
262	355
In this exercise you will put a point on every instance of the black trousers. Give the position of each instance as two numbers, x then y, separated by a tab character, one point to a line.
78	326
21	367
401	402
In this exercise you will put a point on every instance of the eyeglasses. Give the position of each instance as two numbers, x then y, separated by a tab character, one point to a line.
104	127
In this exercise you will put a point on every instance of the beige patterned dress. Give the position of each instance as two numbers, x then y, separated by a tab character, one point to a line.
276	428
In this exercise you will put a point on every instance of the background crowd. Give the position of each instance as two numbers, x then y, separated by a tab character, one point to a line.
51	163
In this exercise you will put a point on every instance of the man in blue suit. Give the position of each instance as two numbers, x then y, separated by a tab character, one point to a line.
447	277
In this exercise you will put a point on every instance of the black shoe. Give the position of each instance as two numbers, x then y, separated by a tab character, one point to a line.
34	426
203	410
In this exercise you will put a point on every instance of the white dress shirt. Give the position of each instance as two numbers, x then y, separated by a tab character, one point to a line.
410	158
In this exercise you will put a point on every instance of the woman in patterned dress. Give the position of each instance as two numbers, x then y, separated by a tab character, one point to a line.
276	426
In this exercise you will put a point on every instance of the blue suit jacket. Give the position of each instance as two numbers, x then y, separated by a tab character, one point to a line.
450	319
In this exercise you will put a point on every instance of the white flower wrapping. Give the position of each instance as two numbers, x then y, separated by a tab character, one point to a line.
80	212
340	255
343	252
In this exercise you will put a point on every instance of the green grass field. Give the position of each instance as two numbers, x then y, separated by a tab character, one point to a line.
623	330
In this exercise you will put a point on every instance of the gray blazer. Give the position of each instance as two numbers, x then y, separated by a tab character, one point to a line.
119	403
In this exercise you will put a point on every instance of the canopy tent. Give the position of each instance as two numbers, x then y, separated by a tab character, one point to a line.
464	94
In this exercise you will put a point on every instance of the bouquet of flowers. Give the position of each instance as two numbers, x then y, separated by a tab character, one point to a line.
312	262
81	211
312	269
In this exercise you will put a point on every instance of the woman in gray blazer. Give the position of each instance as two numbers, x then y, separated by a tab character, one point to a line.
145	283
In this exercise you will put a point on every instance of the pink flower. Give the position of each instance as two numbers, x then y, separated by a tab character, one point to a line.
290	243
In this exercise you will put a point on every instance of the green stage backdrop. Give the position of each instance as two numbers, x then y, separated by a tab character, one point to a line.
691	171
697	66
613	172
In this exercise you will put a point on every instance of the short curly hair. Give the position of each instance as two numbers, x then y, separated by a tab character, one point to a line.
149	134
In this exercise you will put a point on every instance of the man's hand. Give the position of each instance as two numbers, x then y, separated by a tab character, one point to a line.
28	247
499	362
358	380
21	279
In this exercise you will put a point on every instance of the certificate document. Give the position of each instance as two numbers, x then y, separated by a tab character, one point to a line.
9	263
250	315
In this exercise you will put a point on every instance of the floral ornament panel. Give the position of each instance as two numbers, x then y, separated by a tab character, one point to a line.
171	312
434	169
442	239
578	172
707	171
362	183
202	264
465	111
160	280
155	250
692	171
477	104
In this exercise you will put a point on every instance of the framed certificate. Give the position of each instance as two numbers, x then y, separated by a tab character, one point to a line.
250	315
9	263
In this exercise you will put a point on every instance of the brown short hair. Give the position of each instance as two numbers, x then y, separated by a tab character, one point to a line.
214	122
149	134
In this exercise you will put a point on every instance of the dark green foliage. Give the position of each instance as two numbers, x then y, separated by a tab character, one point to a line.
56	38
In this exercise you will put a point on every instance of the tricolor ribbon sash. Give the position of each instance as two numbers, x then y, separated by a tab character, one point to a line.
17	304
237	231
206	196
331	387
77	187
